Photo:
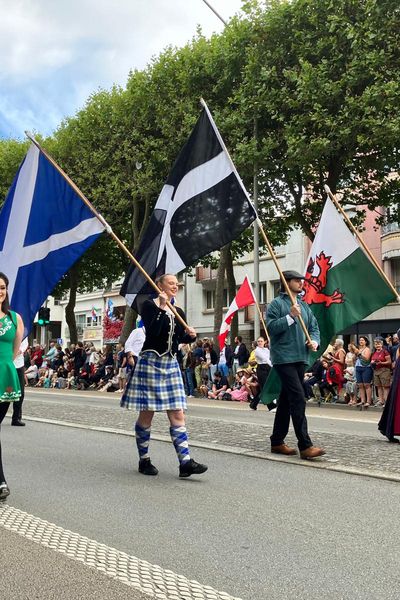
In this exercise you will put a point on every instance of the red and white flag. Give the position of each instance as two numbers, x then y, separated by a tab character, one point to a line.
244	297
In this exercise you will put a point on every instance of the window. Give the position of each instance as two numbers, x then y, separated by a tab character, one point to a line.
91	322
276	287
396	273
210	299
263	293
80	320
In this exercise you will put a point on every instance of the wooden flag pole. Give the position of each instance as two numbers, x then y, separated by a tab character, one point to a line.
285	283
107	227
361	241
262	321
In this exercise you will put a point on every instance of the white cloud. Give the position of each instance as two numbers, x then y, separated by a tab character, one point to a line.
55	52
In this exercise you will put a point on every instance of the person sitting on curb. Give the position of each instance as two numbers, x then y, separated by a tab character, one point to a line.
219	387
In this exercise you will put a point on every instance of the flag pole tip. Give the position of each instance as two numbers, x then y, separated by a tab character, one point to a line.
203	102
327	189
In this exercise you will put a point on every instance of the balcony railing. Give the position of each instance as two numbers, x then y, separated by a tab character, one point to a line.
390	228
205	273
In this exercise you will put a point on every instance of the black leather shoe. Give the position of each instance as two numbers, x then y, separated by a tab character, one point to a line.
191	467
18	423
4	491
146	468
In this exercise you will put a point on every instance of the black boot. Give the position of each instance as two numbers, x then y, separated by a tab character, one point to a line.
4	491
191	467
146	468
18	423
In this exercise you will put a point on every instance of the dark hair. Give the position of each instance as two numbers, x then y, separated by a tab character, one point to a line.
217	374
364	338
6	302
239	337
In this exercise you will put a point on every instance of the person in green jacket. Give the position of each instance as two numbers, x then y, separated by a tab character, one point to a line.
290	356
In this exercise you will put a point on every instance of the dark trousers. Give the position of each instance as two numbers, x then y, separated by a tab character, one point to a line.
17	406
308	386
262	376
291	403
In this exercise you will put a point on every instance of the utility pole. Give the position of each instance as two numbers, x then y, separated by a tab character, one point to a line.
256	240
215	12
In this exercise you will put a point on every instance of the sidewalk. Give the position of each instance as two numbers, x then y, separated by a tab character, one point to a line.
347	452
29	570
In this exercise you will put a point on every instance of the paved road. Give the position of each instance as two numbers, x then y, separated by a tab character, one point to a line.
253	528
350	437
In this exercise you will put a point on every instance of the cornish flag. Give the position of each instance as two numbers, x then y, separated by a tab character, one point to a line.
244	297
202	207
44	228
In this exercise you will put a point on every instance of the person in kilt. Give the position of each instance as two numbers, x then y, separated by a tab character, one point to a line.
156	384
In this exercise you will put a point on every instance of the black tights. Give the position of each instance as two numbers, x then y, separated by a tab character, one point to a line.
3	411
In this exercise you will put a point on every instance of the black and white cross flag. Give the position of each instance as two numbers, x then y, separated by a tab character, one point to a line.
203	206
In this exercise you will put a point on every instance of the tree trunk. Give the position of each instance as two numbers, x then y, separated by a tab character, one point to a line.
230	275
69	309
219	292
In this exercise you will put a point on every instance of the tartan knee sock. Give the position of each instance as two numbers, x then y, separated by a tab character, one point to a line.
180	440
142	435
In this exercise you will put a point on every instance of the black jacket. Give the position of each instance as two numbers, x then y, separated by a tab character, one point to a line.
242	355
163	331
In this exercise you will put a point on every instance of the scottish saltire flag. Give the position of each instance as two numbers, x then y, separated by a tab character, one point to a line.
44	228
202	207
110	308
342	286
244	297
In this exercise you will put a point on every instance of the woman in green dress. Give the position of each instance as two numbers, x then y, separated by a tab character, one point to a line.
11	331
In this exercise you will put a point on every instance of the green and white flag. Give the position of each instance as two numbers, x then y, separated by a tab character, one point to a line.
342	285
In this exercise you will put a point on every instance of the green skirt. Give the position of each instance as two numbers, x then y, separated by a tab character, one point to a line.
10	389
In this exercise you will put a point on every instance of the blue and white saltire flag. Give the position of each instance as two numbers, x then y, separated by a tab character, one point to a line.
44	228
110	308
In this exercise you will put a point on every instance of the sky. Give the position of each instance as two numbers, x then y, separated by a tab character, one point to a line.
55	53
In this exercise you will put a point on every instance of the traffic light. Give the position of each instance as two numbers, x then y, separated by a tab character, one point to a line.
44	316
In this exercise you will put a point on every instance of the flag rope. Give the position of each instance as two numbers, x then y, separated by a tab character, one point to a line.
361	241
107	227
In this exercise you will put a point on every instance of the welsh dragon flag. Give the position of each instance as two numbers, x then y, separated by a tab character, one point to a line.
342	286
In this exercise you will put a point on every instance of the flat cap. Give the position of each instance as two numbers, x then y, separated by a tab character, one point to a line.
292	275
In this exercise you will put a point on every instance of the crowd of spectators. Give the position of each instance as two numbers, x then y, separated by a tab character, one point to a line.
360	376
78	367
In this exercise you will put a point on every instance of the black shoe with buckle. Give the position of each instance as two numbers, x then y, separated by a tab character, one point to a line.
146	468
191	467
4	491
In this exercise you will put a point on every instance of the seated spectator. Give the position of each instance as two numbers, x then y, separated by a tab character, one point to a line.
108	374
381	363
312	377
112	384
219	386
248	386
205	385
71	380
326	388
31	373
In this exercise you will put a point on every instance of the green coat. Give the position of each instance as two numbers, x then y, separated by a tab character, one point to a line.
288	342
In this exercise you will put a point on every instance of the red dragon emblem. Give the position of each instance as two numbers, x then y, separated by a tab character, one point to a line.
314	285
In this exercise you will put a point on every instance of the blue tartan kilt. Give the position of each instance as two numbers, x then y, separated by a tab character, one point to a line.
156	384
